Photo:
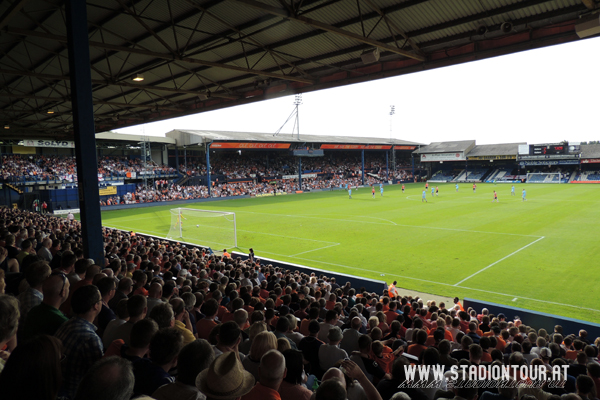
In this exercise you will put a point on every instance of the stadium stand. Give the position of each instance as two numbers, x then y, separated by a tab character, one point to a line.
475	174
232	174
19	169
220	305
499	174
587	176
442	176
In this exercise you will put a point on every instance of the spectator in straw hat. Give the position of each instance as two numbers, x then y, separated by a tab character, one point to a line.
225	379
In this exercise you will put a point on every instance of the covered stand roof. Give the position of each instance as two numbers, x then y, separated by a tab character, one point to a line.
201	55
505	149
447	147
590	151
196	137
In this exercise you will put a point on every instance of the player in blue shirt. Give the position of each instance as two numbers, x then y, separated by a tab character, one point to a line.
432	191
512	190
381	189
424	198
349	192
456	186
524	195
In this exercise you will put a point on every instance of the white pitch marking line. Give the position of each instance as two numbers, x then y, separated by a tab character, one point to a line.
392	222
288	237
401	225
333	244
442	284
134	219
320	248
502	259
128	228
515	299
421	280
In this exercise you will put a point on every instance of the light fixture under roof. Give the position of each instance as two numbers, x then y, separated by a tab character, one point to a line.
6	126
50	112
138	77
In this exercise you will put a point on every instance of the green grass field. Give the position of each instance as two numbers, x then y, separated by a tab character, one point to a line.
542	254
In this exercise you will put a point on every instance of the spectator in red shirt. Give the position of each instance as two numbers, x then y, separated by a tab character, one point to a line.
271	372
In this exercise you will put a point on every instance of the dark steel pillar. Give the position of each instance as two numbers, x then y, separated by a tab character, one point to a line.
387	169
362	154
299	173
83	124
208	168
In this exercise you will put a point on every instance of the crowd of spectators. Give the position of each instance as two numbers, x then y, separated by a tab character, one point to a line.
172	191
155	318
254	166
254	176
19	168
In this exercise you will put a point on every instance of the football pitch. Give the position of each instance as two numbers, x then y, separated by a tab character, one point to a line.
542	254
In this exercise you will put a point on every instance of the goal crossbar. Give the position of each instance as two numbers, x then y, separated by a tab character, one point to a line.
208	227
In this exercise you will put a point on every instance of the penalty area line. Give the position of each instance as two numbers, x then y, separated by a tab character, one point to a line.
320	248
446	284
500	260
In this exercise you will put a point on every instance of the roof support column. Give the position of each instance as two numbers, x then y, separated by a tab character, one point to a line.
387	169
208	168
299	173
362	154
83	124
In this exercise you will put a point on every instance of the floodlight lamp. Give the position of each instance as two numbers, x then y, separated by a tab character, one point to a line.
50	111
138	77
6	126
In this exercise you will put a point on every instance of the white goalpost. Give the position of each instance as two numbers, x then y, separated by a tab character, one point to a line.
544	177
203	227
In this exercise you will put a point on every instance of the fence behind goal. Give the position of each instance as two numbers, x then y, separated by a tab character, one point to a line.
209	228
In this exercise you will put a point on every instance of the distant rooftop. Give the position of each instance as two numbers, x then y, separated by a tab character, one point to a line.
447	147
590	151
505	149
188	137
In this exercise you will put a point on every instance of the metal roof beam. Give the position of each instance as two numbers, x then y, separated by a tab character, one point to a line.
14	8
63	39
112	83
248	37
280	12
96	102
395	27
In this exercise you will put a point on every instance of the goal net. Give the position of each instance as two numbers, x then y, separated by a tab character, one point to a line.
211	228
544	177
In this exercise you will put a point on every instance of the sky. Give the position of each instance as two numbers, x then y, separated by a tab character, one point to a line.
539	96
